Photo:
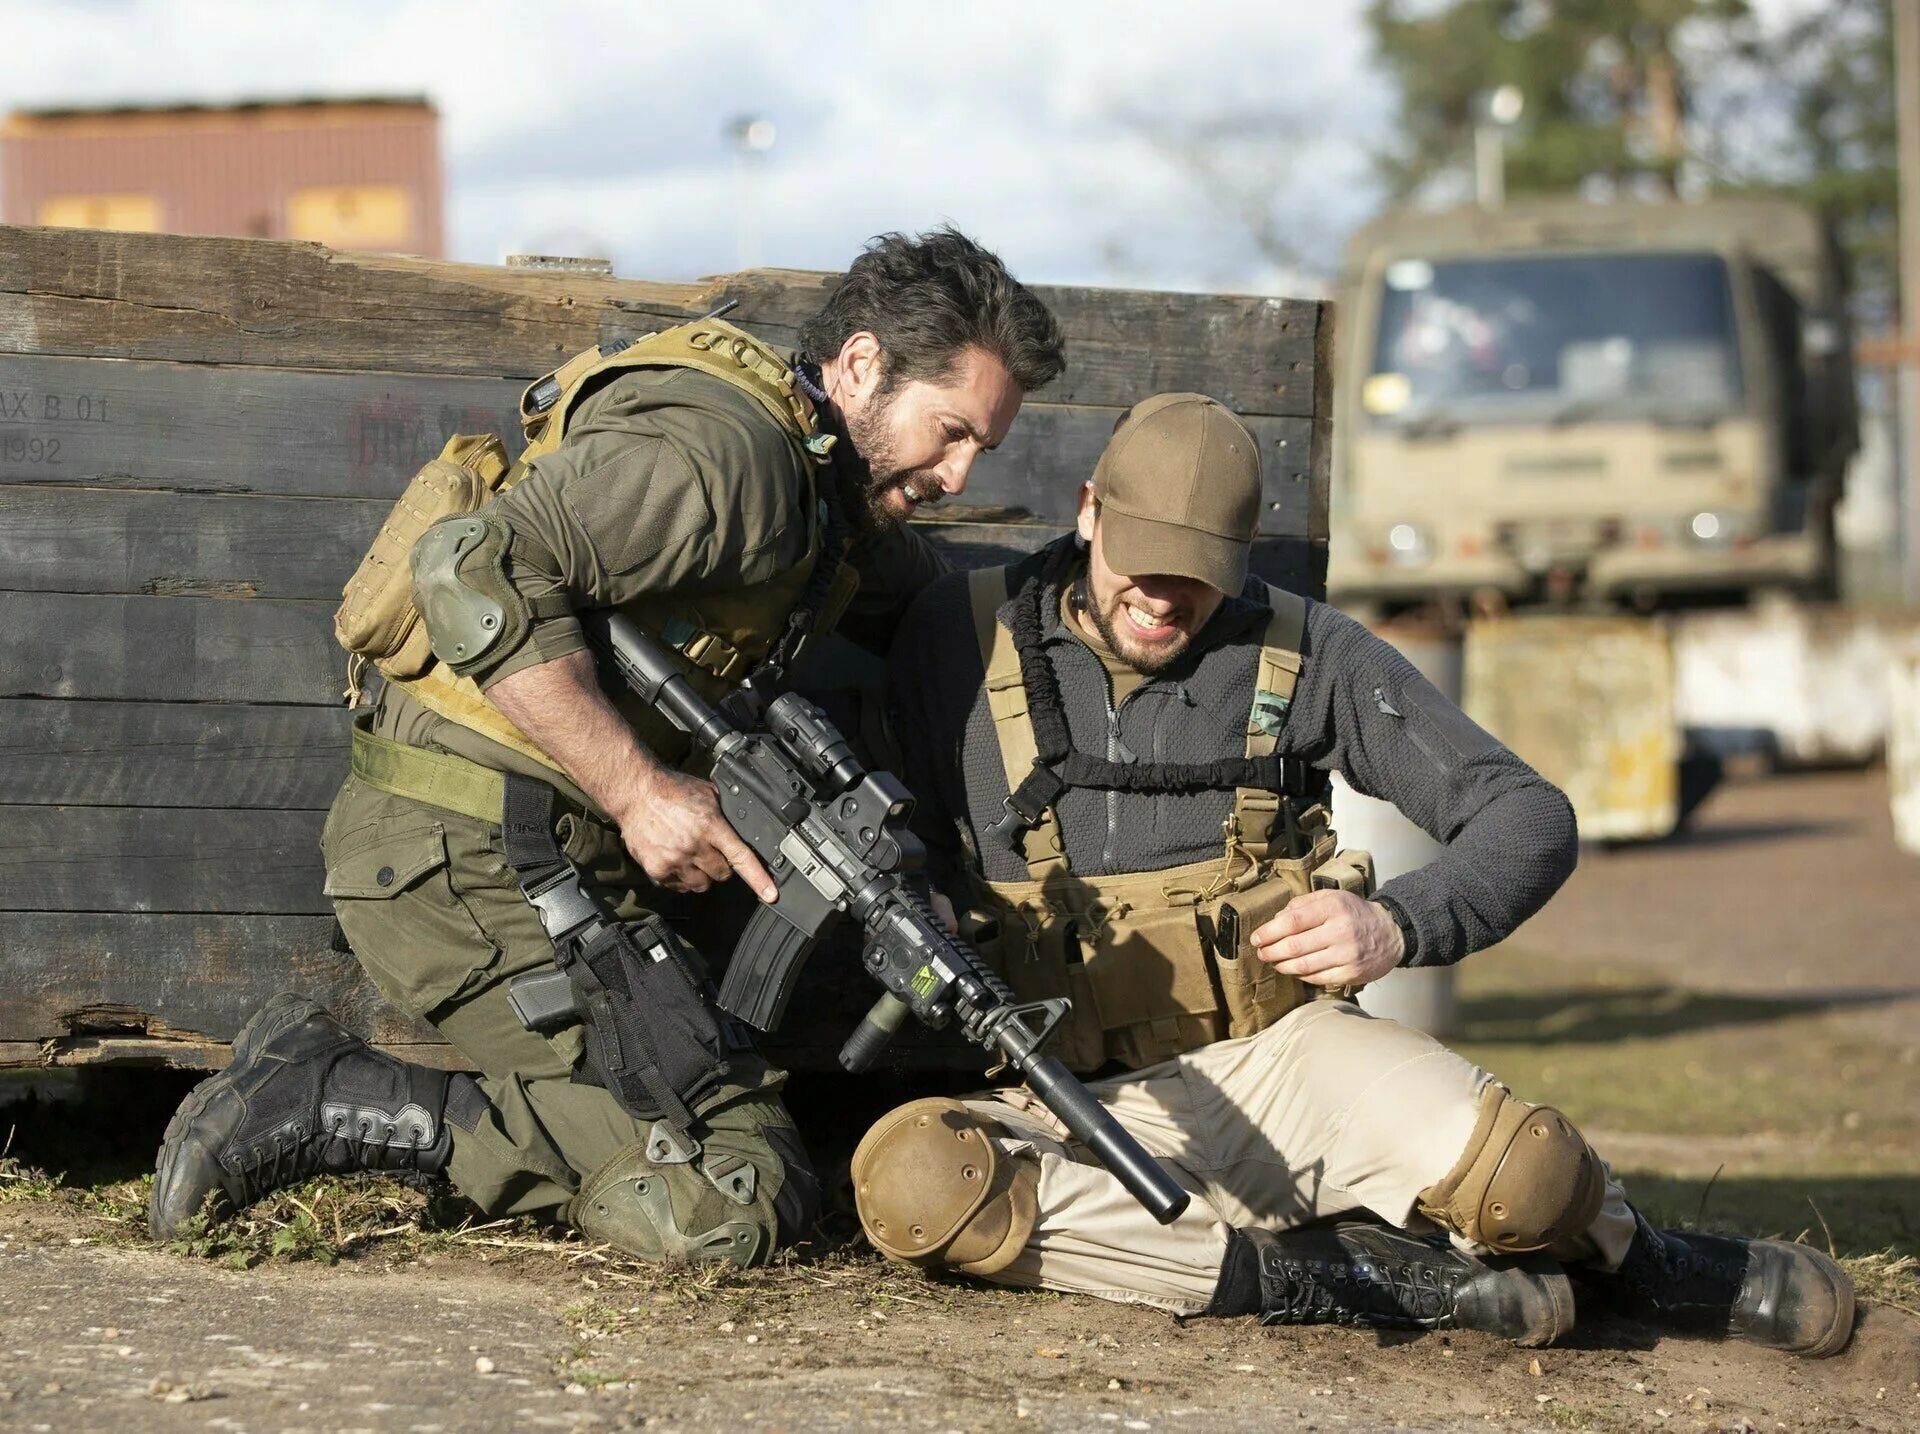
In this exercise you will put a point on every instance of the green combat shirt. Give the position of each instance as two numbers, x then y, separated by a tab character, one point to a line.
670	481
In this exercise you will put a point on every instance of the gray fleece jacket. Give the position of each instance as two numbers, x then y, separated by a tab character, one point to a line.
1360	709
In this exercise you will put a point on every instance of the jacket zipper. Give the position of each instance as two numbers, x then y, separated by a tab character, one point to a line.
1117	751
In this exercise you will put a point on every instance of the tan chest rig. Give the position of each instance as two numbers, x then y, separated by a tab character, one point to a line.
721	636
1156	963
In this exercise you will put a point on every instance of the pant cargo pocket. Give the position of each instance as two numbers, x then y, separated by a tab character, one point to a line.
394	896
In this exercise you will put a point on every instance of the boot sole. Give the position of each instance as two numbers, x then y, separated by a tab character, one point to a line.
1835	1338
256	1031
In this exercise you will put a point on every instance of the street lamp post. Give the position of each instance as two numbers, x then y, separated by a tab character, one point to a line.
1490	145
752	136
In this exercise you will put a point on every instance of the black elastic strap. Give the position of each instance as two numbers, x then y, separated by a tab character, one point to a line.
1060	767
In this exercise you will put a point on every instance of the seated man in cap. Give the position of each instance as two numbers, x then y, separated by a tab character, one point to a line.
1120	747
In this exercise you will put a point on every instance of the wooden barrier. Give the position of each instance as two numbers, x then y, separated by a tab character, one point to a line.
198	438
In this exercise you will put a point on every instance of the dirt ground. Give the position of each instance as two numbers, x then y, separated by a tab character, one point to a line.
1731	1016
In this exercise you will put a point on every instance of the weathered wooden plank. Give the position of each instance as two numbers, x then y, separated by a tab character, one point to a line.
111	423
158	754
1298	565
169	649
136	973
55	539
61	539
160	859
261	302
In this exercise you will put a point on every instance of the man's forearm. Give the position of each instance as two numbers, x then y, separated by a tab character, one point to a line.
559	705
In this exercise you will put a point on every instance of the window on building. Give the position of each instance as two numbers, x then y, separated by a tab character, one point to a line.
137	212
352	216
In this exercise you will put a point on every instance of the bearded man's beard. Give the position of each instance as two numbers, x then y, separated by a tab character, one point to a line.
872	439
1149	660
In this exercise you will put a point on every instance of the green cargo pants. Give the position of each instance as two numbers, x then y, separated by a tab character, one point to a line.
432	910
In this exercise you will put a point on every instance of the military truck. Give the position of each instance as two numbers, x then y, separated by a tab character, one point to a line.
1615	405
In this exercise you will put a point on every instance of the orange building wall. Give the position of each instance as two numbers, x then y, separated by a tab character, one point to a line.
352	174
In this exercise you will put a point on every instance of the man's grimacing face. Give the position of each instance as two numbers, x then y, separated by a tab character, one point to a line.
920	438
1147	621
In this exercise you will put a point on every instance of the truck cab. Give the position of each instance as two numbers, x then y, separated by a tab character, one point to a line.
1589	404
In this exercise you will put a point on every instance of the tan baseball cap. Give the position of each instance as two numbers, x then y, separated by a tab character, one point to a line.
1179	491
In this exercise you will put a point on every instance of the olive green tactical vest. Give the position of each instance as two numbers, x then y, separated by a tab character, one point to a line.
720	636
1155	963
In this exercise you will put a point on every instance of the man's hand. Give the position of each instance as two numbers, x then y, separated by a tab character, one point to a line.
1331	938
943	909
670	822
676	832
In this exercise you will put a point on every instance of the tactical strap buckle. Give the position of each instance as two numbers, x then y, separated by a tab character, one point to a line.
1009	829
562	904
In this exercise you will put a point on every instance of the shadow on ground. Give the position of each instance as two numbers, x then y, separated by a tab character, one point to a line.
1596	1017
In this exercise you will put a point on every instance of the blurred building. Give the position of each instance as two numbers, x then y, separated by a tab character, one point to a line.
350	173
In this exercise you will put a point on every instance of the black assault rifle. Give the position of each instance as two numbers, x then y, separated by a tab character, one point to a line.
833	836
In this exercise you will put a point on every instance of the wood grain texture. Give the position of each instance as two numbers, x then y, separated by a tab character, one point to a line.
169	649
275	304
216	429
95	424
181	544
161	860
161	754
168	975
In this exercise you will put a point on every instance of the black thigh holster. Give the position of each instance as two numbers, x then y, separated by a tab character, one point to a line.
654	1037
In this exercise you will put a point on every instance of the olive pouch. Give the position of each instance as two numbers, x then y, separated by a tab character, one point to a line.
377	621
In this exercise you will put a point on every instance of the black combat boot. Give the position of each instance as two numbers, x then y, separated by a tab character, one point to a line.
303	1096
1783	1296
1377	1277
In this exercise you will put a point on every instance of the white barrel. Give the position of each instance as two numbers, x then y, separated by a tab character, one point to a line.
1903	742
1421	998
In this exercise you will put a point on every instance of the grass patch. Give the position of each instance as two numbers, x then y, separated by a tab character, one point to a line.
25	1182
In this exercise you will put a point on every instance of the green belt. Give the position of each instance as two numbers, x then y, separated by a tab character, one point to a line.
439	779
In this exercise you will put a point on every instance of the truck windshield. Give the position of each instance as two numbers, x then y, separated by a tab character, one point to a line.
1553	339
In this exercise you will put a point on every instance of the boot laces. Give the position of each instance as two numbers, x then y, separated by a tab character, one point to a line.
1679	1276
292	1154
1368	1292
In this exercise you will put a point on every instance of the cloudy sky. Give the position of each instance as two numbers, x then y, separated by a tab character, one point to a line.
1061	132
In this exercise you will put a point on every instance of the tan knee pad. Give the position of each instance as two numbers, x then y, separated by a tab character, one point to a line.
932	1189
1526	1179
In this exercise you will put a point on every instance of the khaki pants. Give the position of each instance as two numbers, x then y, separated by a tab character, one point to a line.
436	917
1327	1112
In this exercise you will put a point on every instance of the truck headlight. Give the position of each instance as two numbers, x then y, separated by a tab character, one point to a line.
1717	530
1408	544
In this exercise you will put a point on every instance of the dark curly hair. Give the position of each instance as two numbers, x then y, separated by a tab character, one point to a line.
930	298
